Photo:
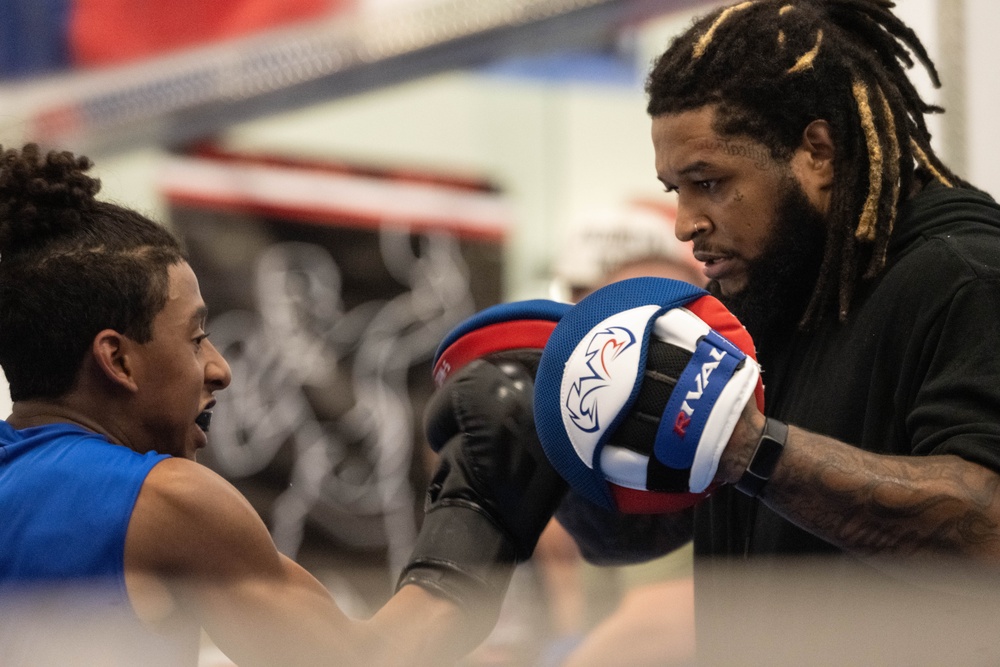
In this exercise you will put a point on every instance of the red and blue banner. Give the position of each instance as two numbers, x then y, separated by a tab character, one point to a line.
43	36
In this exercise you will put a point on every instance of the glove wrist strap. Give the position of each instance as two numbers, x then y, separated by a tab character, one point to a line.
463	555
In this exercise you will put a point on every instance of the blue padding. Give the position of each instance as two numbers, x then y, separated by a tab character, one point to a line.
531	309
676	450
572	328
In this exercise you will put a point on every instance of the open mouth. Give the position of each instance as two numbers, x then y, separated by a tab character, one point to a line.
203	420
709	257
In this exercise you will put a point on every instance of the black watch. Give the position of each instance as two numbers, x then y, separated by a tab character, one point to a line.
765	457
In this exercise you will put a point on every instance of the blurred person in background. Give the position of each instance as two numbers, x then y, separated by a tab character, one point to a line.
633	239
118	548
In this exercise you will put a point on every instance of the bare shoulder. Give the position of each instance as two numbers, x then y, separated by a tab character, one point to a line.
190	522
197	554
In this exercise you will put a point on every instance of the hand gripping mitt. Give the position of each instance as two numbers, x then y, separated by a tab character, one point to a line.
639	389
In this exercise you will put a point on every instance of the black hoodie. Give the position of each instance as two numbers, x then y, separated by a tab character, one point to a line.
915	370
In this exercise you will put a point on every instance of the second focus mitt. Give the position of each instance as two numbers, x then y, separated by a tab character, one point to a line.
639	389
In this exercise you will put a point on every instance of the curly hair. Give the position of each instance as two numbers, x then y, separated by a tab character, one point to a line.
771	67
70	266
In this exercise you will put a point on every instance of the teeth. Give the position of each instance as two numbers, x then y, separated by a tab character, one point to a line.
203	420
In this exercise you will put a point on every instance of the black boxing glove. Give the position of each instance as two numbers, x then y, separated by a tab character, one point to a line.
494	491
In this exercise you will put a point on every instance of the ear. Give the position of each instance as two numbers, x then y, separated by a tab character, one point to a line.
110	350
813	163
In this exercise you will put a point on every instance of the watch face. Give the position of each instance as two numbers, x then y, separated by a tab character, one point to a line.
765	457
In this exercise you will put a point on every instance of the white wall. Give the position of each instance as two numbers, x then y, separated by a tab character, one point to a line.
982	26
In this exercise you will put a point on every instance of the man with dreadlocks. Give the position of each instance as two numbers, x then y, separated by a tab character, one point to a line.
869	277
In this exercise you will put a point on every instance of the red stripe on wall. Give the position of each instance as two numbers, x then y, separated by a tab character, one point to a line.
103	32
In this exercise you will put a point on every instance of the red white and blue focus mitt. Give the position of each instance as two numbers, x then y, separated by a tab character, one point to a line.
499	328
638	391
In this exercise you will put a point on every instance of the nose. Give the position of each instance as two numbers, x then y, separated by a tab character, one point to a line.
690	222
218	375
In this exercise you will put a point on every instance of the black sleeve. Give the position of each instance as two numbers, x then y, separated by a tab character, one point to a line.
957	404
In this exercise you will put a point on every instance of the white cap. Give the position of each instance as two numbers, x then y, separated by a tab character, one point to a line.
607	240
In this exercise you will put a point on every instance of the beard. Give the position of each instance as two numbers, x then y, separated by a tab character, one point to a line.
782	279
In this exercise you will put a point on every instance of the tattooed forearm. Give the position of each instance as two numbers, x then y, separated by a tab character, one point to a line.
875	505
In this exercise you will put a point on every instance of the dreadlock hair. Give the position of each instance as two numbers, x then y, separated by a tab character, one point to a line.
771	67
70	267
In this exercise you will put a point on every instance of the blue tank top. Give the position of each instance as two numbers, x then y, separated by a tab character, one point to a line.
66	497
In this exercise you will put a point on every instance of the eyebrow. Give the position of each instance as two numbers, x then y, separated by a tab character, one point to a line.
688	170
200	315
694	166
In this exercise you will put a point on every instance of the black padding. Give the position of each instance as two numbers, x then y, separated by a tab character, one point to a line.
637	431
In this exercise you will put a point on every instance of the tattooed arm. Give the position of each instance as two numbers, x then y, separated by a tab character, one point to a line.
890	509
